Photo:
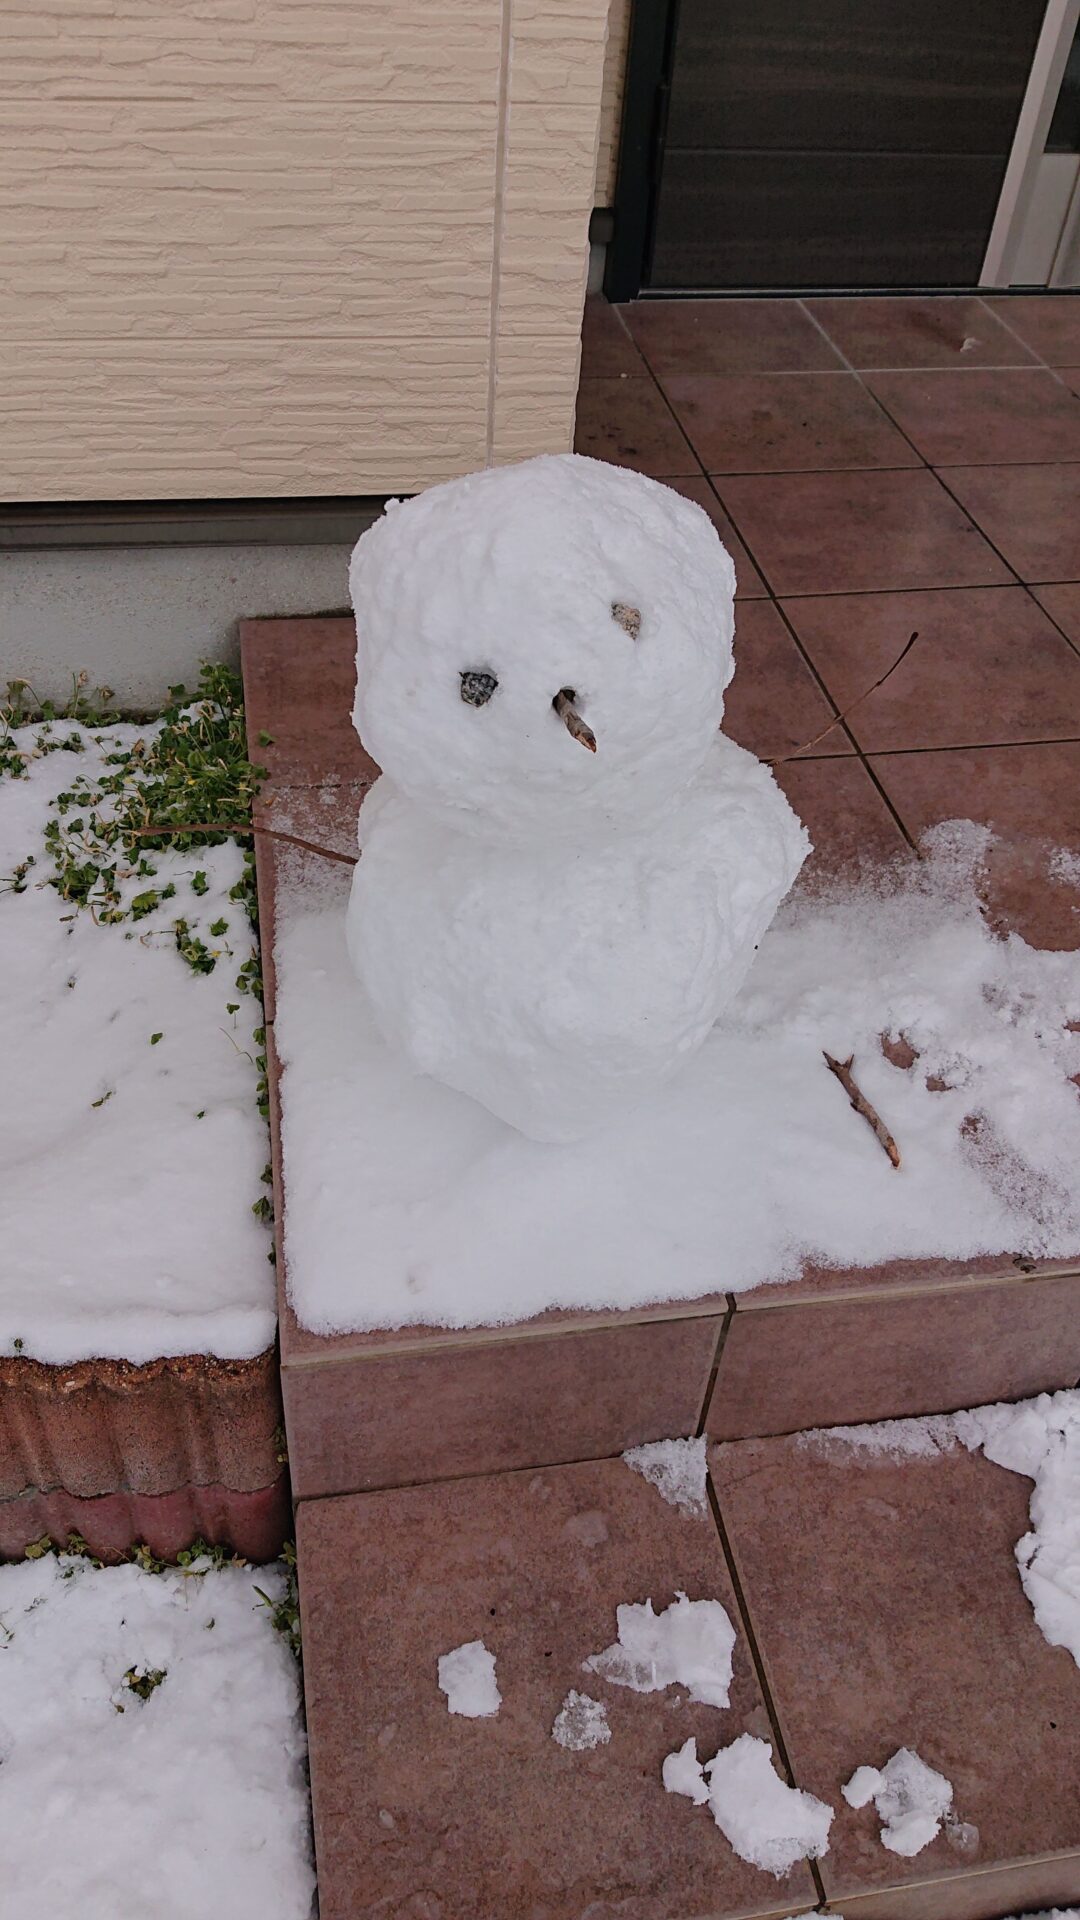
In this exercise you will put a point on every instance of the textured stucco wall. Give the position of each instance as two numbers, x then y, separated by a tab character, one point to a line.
256	247
607	156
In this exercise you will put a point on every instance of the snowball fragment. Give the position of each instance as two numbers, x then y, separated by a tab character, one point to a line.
581	1723
912	1800
765	1821
677	1469
467	1677
689	1644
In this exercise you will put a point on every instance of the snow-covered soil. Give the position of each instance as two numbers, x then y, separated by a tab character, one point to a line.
409	1203
151	1746
132	1150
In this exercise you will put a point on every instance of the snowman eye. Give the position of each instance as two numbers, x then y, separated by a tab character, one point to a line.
477	687
628	618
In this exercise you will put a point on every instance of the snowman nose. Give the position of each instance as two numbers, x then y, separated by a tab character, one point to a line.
563	704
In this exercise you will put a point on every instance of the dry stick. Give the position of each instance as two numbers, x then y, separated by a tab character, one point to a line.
842	1070
865	695
234	826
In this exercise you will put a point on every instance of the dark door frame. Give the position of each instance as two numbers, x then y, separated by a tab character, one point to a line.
649	54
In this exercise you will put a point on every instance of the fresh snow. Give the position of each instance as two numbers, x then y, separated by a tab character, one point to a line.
689	1644
128	1166
581	1723
1039	1438
677	1469
765	1821
467	1677
746	1167
194	1799
911	1800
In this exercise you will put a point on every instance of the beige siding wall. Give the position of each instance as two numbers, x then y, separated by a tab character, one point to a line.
607	156
279	247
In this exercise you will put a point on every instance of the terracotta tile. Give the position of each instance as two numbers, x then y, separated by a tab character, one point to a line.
299	682
1062	603
1071	377
425	1813
988	666
784	422
1031	796
905	331
1048	322
628	422
254	1524
888	1613
836	1362
103	1425
848	532
728	336
749	584
606	347
774	705
1020	414
486	1405
1032	515
848	821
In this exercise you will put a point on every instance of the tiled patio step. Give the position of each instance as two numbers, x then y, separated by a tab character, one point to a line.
877	1605
399	1407
253	1523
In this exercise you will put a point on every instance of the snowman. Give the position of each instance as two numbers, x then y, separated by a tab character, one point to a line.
566	868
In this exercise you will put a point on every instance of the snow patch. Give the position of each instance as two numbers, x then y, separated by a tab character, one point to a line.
911	1799
690	1644
581	1723
677	1469
765	1821
753	1148
106	1812
467	1677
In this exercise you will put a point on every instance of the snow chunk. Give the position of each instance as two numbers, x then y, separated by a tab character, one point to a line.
766	1822
1041	1438
912	1439
103	1809
677	1469
690	1644
467	1677
911	1799
581	1723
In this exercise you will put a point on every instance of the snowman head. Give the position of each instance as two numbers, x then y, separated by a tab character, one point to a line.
542	648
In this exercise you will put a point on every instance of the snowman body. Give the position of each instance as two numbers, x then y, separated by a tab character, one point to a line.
565	868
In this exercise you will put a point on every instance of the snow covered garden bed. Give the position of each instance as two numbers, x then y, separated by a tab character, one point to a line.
134	1183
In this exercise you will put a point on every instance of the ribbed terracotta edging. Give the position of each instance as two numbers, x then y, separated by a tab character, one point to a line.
106	1427
253	1524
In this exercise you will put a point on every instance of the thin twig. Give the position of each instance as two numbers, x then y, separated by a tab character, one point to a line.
235	826
865	695
842	1070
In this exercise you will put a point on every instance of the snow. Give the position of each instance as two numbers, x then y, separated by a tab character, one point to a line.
743	1169
549	926
911	1799
581	1723
677	1469
689	1644
113	1806
128	1166
766	1822
1039	1438
467	1677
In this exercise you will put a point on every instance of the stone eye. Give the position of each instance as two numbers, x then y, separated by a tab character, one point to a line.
628	618
477	688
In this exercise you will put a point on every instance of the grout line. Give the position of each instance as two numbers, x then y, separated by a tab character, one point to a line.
756	1656
710	1384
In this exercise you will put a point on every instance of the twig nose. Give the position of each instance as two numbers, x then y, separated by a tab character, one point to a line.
563	704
